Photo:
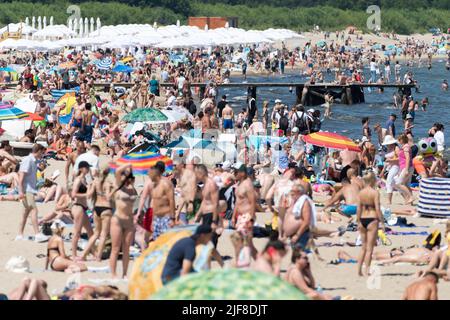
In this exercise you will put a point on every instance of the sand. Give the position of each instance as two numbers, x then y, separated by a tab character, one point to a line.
336	280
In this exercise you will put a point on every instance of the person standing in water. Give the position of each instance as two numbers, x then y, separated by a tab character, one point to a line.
368	216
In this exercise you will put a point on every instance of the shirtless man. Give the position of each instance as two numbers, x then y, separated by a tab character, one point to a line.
349	193
354	179
269	261
244	210
162	200
87	129
228	116
208	211
187	187
423	289
76	122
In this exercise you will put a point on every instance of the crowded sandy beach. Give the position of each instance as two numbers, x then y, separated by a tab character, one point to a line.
129	170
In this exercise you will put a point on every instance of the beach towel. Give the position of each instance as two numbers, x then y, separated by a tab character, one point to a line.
411	233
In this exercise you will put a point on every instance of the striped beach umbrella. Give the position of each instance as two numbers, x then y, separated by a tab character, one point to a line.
9	112
229	284
332	141
142	162
104	64
145	277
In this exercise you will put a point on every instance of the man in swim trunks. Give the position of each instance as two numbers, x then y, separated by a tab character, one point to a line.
349	193
162	200
228	116
77	115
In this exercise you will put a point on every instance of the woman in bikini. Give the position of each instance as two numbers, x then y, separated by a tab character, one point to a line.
368	216
56	256
122	223
102	213
79	206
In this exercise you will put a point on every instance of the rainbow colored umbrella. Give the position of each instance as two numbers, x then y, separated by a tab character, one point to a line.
332	141
9	112
145	277
142	161
229	284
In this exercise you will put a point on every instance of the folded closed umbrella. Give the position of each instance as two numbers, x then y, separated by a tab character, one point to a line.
332	141
142	161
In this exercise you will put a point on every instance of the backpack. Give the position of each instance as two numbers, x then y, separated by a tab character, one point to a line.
433	240
302	124
283	123
192	108
316	125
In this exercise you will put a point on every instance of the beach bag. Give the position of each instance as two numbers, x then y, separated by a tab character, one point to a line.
433	240
107	250
302	124
46	229
316	125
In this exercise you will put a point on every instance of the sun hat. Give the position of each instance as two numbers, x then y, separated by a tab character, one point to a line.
295	129
311	110
409	116
17	264
277	101
388	140
226	165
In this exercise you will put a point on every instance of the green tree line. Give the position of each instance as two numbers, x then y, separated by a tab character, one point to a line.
251	14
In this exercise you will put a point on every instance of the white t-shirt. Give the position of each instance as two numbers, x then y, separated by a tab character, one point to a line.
90	158
440	139
373	66
298	206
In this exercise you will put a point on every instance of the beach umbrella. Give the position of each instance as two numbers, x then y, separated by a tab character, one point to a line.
99	23
332	141
142	162
70	24
33	117
122	68
229	284
180	144
80	25
86	26
127	59
44	22
145	115
9	112
51	20
178	23
27	21
39	23
209	152
145	277
67	65
33	22
7	69
104	64
92	24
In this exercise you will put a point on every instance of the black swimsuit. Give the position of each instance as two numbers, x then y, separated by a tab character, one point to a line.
81	189
53	260
100	210
366	221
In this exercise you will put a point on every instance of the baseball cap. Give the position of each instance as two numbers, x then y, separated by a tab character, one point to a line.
84	164
295	129
239	166
277	101
408	116
311	110
203	229
226	165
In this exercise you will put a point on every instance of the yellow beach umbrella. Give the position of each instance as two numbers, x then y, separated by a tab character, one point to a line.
69	100
145	277
127	59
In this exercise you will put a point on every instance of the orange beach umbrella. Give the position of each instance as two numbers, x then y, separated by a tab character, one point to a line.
332	141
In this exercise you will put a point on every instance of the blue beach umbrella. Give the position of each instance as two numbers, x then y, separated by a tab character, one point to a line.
122	68
104	64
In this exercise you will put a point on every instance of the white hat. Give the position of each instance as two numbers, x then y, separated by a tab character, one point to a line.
388	140
311	110
18	264
364	139
409	116
295	129
237	165
226	165
277	101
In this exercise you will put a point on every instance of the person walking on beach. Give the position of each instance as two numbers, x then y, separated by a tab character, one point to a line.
28	190
160	191
122	223
244	215
390	126
406	168
368	217
423	289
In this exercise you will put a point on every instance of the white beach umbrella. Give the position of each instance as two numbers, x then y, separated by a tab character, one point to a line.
99	23
70	24
44	21
92	24
81	27
86	26
27	21
206	27
155	25
178	23
39	23
51	20
33	22
227	25
75	25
